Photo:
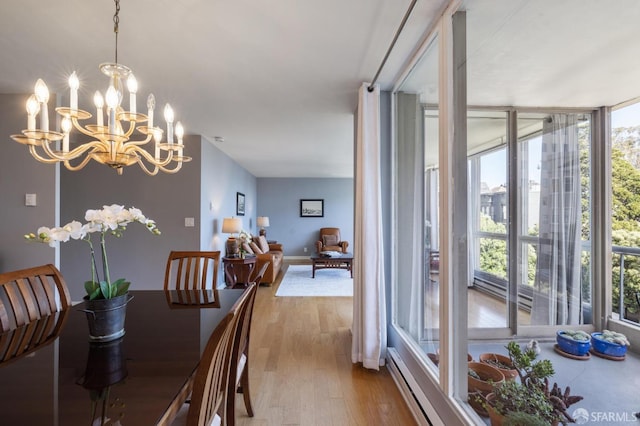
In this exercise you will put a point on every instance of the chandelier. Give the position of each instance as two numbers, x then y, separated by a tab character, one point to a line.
113	142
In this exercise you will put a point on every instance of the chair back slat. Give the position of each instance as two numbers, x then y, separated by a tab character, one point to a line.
29	294
210	387
20	341
241	347
189	270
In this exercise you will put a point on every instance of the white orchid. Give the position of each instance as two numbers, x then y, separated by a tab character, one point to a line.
111	219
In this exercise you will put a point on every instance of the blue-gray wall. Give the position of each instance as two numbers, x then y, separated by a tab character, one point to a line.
222	179
279	199
21	174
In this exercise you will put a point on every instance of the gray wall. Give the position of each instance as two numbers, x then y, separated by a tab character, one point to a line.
279	199
138	255
222	178
21	174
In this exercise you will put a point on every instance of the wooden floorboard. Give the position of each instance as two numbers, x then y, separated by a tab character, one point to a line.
301	371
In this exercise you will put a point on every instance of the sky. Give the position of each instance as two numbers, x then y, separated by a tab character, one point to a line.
626	117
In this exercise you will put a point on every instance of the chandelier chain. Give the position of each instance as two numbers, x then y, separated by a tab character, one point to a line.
116	21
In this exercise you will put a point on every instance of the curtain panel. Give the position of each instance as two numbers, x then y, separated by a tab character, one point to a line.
556	298
369	328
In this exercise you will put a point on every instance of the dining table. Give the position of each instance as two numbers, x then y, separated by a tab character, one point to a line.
128	381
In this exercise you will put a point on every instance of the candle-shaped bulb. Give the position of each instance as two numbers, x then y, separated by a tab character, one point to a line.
157	135
132	86
66	125
66	128
111	97
74	84
98	100
42	91
179	132
42	95
151	105
168	113
33	108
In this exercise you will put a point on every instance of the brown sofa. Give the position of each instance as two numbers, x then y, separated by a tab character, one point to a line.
265	252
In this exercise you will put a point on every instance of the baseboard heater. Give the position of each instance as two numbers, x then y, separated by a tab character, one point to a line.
420	407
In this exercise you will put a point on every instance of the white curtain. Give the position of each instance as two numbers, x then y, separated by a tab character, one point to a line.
556	298
369	328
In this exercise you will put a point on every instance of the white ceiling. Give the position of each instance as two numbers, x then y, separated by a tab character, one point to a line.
278	80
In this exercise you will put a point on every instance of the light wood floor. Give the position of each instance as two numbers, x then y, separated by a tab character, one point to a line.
301	371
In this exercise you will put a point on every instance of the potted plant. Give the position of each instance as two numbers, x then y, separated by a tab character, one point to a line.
502	363
574	342
106	298
514	397
610	343
532	393
518	418
481	379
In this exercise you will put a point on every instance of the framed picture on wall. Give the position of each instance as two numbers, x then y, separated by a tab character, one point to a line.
311	208
239	203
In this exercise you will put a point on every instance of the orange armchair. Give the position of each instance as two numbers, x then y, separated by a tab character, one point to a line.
330	241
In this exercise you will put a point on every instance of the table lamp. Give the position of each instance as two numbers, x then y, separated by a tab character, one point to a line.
263	222
231	225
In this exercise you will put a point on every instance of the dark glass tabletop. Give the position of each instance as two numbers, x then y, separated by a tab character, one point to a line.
133	379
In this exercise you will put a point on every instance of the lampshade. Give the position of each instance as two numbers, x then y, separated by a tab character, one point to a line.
263	221
231	225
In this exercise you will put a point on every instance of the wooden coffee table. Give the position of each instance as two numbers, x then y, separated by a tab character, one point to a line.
344	261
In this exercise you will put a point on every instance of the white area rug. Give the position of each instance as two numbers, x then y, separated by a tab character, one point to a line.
328	282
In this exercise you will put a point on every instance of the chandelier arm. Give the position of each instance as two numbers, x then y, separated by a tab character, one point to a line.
83	163
74	153
132	127
174	170
141	142
149	157
144	168
34	153
80	127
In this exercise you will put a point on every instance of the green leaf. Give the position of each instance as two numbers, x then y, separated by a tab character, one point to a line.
106	290
91	287
95	294
121	287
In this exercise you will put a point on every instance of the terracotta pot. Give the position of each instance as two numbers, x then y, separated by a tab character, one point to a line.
509	373
495	417
490	376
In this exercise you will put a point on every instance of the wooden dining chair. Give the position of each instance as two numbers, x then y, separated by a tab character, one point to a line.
189	270
25	339
257	275
240	356
29	294
209	385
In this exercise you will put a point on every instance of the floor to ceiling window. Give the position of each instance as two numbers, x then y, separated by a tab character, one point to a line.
625	221
535	175
416	210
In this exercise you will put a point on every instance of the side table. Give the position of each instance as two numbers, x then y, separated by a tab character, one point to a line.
238	270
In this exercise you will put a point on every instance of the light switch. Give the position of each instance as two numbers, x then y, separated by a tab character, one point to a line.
30	200
189	222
